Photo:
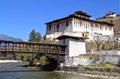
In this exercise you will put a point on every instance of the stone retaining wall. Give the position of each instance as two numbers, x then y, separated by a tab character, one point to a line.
110	52
115	59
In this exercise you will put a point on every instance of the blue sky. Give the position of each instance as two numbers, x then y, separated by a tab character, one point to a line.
19	17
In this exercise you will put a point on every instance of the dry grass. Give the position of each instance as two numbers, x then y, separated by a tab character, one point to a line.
104	65
89	56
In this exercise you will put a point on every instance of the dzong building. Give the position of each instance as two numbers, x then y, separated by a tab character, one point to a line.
74	29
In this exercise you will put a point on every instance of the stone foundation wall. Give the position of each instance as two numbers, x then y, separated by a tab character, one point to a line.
112	56
115	59
110	52
84	61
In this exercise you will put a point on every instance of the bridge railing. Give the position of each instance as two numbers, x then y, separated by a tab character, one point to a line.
28	47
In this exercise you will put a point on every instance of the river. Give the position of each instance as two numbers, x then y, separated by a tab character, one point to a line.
15	71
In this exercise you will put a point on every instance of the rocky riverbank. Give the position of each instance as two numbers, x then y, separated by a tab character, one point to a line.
92	71
88	74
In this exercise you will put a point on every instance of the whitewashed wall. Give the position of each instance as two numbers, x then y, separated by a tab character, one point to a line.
54	35
76	47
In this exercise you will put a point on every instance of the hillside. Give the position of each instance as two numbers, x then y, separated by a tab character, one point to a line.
113	18
10	38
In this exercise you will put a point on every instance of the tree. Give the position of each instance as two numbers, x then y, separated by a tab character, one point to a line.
34	36
104	42
37	37
98	41
43	60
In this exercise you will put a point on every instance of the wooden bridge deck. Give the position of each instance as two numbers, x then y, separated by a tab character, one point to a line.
28	47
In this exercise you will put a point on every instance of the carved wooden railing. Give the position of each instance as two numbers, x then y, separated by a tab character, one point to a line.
28	47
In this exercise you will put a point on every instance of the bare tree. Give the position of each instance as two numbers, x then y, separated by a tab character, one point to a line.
111	42
104	42
99	41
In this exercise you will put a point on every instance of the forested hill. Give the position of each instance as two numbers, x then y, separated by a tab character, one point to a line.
10	38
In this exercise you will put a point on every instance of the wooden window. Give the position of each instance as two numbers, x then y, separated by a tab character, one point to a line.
63	41
105	27
70	22
49	27
58	27
67	24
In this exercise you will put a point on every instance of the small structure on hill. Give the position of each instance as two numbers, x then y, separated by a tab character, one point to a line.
111	14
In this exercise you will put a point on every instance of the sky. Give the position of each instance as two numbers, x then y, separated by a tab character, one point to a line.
19	17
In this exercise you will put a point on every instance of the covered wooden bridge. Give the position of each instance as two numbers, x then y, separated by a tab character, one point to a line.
51	50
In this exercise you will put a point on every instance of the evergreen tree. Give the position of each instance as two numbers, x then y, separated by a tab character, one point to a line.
38	37
34	36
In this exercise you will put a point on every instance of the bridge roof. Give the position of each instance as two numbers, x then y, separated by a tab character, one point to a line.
37	43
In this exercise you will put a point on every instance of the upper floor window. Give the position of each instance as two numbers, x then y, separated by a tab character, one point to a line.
67	24
105	27
70	22
49	27
100	27
63	41
58	27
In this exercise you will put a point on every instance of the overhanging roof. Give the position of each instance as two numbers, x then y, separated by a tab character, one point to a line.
73	16
68	36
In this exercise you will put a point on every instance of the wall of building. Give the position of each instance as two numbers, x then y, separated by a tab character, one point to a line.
54	35
76	47
53	31
91	27
80	26
60	26
106	30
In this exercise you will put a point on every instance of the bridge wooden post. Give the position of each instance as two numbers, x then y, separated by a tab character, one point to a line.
5	50
58	52
13	50
0	47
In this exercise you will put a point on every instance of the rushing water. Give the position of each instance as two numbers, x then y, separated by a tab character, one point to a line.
15	71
